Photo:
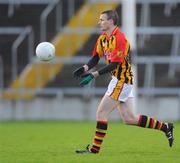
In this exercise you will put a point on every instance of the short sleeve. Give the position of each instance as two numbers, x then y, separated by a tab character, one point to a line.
121	50
98	49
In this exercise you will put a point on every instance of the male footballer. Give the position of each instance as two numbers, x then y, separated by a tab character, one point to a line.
113	45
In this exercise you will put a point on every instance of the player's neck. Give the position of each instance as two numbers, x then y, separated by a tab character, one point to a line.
109	32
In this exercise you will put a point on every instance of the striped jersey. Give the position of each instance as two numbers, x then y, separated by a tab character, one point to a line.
115	48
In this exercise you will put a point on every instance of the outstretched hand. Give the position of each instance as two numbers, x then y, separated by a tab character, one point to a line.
86	79
77	73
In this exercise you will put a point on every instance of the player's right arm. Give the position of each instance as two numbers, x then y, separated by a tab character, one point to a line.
81	70
97	52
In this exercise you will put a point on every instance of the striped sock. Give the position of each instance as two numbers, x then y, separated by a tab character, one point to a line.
147	122
101	129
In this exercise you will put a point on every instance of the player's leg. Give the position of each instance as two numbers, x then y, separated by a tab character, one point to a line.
128	116
105	107
126	112
107	104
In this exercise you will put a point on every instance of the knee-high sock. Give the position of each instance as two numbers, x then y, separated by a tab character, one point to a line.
101	129
147	122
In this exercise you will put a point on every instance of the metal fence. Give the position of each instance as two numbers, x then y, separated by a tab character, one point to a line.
143	30
147	89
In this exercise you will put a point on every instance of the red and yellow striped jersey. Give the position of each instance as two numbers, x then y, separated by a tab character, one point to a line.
115	48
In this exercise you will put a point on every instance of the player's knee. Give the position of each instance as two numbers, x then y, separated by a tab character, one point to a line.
129	120
101	114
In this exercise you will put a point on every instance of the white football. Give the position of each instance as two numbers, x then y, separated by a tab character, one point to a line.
45	51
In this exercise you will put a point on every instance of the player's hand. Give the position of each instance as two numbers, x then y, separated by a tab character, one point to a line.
77	73
86	79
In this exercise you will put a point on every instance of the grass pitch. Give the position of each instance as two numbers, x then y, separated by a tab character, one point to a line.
56	142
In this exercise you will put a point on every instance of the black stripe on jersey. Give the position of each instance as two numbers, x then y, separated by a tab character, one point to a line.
112	38
131	76
101	43
119	72
104	40
128	49
125	73
107	44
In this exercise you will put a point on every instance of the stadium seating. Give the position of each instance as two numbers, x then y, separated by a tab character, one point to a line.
157	44
29	15
26	14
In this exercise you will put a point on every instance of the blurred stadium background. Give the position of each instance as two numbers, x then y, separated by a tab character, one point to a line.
32	90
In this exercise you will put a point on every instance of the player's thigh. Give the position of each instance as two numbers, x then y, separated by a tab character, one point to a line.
126	111
107	104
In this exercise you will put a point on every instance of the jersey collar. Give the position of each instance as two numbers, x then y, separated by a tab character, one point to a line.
112	33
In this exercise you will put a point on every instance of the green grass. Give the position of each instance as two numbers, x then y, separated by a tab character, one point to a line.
55	142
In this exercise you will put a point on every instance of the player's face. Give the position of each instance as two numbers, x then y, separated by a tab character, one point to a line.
104	22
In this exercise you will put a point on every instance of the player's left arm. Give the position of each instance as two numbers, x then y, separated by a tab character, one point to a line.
106	69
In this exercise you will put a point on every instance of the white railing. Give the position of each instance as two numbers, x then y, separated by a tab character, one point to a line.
157	1
145	21
175	48
26	1
137	1
142	32
174	51
149	68
26	32
43	18
1	75
22	33
51	4
12	4
11	30
57	5
149	86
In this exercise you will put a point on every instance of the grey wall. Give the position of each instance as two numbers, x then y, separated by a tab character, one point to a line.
61	108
